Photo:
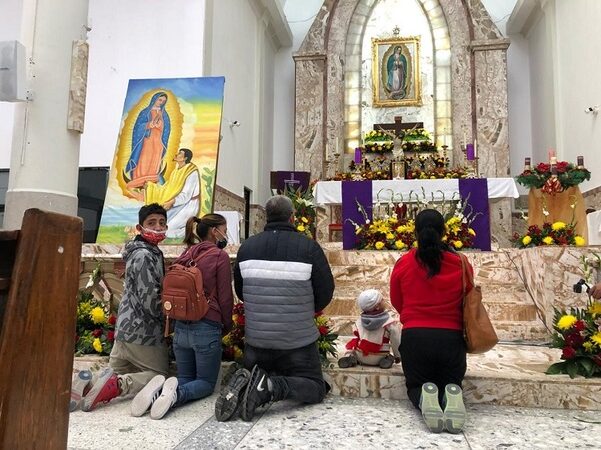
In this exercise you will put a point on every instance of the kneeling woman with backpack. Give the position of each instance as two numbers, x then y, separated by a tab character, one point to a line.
196	343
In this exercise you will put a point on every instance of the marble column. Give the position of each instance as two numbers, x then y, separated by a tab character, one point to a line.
490	62
45	153
309	126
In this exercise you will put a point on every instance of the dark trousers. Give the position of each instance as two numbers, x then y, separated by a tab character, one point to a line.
432	354
295	374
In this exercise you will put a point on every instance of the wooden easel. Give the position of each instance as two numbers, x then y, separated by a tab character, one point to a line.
39	272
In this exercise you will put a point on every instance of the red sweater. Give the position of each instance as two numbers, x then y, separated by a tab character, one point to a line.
428	302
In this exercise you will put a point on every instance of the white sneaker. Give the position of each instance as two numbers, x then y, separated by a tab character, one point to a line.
147	396
166	401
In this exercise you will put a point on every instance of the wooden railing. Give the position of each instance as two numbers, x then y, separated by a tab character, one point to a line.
39	271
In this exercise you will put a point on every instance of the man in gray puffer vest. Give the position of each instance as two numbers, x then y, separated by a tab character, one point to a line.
283	277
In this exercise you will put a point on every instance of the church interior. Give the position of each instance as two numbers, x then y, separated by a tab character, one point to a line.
373	110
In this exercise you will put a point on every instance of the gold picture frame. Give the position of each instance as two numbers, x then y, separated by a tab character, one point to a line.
396	72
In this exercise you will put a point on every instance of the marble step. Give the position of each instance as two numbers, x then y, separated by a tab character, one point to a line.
497	309
507	330
509	375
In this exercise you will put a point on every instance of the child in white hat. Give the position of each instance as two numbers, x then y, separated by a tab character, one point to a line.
376	334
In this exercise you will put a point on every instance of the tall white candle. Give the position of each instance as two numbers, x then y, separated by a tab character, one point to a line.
475	148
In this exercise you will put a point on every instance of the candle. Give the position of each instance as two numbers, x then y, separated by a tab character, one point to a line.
551	154
464	139
357	155
580	163
469	152
527	164
475	149
553	160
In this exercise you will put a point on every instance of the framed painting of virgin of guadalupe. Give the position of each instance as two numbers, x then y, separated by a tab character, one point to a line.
395	72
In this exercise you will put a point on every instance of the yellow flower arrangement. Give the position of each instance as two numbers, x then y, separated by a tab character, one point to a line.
596	338
97	315
566	322
595	309
97	345
557	233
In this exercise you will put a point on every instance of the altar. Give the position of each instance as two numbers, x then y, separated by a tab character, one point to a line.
330	192
482	194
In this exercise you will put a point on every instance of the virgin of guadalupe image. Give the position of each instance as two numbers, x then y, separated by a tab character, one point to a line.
149	144
396	68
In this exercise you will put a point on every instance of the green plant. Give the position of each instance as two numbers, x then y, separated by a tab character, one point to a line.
95	326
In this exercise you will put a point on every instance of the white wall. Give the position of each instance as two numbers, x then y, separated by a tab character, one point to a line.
300	15
10	26
520	120
134	39
578	69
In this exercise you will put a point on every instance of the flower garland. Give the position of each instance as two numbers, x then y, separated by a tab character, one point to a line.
95	324
568	175
376	136
557	233
578	335
326	342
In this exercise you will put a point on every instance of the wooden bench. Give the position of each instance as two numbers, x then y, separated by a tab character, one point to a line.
39	272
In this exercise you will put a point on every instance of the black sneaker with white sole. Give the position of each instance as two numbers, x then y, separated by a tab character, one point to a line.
257	393
229	399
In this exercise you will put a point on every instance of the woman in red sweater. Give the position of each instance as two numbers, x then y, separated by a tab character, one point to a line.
426	288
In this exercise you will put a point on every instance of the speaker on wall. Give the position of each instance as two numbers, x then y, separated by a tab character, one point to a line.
12	72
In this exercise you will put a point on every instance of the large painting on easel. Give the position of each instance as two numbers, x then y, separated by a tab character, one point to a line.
166	153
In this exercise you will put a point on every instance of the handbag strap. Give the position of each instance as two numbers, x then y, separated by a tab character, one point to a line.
466	276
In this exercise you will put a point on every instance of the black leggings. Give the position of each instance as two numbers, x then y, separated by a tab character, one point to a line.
432	354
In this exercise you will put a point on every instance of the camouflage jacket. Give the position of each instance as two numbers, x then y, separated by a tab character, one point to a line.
140	319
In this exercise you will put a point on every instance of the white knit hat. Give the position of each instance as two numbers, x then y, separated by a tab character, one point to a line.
369	299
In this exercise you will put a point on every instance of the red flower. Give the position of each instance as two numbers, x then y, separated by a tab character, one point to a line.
542	167
579	325
568	353
319	313
110	336
561	166
574	339
97	332
112	319
323	330
240	320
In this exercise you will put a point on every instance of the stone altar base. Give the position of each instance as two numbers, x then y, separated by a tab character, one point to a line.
519	287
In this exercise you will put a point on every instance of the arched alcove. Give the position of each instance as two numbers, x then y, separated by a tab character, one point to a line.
422	18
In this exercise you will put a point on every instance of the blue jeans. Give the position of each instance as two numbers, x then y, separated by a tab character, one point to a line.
197	348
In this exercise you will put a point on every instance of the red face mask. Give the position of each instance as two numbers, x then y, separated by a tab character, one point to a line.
152	237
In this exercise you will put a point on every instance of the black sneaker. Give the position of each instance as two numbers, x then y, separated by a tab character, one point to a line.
387	362
228	401
347	361
257	393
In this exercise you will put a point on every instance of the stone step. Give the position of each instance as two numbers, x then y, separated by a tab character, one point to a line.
507	330
509	375
497	310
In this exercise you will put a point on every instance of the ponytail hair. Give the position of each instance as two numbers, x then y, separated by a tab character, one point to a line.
197	228
429	228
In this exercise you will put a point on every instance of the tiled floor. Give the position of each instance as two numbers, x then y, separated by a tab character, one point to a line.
337	423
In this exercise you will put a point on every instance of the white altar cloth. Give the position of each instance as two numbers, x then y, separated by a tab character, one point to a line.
233	219
330	192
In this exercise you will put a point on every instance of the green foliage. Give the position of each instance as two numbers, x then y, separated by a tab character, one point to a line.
95	326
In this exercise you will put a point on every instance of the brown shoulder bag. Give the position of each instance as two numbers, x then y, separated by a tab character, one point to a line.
479	333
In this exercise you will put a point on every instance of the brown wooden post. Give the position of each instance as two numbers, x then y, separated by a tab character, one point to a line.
37	335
